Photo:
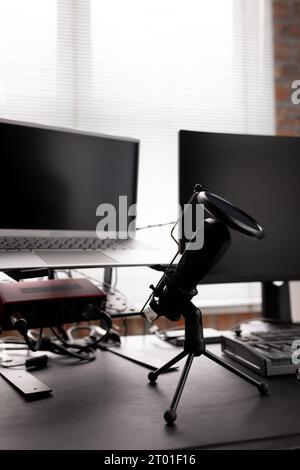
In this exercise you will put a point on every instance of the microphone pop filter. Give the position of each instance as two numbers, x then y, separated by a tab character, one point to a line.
232	216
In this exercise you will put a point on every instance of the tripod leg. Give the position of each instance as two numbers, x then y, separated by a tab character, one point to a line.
262	387
171	415
152	376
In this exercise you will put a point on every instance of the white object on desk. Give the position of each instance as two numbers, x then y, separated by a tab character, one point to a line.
295	300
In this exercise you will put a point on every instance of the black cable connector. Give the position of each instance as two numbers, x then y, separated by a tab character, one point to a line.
20	324
38	362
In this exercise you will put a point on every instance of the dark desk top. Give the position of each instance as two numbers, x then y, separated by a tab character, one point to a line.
108	404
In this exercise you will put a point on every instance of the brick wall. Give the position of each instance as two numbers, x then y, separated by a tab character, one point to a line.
286	18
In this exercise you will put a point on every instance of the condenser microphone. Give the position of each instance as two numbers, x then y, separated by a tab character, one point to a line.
173	293
178	285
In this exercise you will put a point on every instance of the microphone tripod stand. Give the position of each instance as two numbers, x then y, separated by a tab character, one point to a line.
172	295
194	346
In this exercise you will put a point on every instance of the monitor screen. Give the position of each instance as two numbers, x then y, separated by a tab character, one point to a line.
54	179
260	175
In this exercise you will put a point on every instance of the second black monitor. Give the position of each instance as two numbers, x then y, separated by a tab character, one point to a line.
261	175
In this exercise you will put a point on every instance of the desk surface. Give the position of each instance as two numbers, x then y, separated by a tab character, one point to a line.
108	404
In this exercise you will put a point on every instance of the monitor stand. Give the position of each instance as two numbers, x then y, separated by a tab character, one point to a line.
276	301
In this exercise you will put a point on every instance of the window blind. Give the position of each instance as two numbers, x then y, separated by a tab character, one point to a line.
142	69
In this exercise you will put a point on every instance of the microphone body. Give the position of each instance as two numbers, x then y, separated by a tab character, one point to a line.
172	298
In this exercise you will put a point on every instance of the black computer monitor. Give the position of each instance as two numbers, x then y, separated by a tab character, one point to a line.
261	175
54	179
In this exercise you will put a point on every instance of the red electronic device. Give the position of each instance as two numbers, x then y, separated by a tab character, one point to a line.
50	302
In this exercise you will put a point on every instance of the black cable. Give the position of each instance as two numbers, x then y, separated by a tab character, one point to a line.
6	341
48	345
196	191
194	194
155	225
20	324
33	345
90	353
172	235
157	285
66	344
89	327
79	346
